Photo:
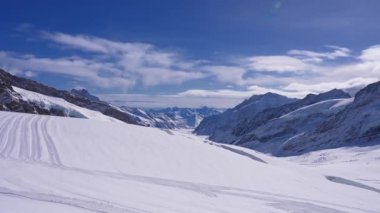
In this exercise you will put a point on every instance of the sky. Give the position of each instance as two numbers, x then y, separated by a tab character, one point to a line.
143	53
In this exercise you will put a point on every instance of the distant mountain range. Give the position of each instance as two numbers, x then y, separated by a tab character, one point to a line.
280	126
174	117
269	123
23	95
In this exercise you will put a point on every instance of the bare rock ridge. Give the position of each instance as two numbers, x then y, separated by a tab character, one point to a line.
168	118
327	120
220	127
9	99
358	124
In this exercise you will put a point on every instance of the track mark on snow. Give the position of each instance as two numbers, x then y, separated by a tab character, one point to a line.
10	136
351	183
241	152
25	140
52	150
73	202
36	139
4	123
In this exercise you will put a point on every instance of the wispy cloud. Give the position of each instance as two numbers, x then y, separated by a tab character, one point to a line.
277	63
317	57
371	54
161	101
94	44
227	74
83	69
114	64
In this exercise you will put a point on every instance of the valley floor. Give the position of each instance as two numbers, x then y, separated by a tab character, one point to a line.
55	164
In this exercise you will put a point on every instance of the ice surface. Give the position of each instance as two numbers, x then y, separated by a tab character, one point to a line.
58	164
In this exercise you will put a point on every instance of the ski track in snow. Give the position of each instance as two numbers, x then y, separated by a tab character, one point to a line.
8	136
34	135
53	153
74	202
351	183
36	140
285	202
3	128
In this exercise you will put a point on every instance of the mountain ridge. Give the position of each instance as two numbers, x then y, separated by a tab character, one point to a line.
12	101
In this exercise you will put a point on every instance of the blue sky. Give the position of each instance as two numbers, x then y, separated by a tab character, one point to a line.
192	53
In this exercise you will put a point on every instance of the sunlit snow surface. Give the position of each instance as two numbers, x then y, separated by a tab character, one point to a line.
55	164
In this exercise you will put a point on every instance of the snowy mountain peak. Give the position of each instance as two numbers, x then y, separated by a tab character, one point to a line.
85	94
357	124
372	90
267	98
332	94
174	117
220	127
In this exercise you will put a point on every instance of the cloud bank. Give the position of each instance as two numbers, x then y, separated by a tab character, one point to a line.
104	63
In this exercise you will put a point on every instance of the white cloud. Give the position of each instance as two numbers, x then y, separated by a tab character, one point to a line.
115	64
161	101
293	90
94	44
317	57
223	93
155	76
112	64
278	63
140	61
82	69
227	74
320	77
371	54
241	94
351	85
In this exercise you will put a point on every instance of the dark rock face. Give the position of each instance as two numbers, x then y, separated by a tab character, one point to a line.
221	127
85	94
358	124
10	102
247	125
327	120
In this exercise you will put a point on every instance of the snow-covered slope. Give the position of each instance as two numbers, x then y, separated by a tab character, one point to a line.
57	164
52	103
359	164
